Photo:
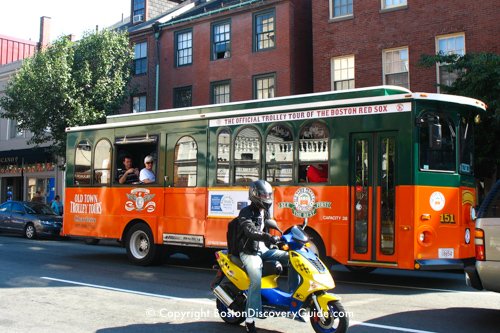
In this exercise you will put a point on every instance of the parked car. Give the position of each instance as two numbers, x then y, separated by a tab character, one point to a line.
31	219
485	274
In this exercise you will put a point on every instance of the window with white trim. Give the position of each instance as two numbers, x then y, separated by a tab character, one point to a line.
264	86
342	73
340	8
139	103
386	4
446	45
264	31
138	8
140	58
184	48
221	40
221	92
396	67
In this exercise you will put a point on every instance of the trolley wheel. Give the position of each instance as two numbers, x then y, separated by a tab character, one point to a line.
141	249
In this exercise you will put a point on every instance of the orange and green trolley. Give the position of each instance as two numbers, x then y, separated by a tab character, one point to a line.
397	190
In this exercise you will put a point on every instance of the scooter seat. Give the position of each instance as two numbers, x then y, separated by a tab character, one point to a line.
269	267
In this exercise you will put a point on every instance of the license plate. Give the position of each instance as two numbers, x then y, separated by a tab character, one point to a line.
446	253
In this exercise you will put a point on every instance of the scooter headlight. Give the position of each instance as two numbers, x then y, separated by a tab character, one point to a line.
323	279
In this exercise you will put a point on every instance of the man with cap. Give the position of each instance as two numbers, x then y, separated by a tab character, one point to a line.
147	175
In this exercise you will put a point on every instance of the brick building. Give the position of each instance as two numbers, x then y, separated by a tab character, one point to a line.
221	51
24	168
371	42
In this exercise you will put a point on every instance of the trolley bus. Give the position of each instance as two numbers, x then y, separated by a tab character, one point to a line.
396	189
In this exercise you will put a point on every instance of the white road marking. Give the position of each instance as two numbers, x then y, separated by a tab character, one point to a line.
198	301
393	328
208	302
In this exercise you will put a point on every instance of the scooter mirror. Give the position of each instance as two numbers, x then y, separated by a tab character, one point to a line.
304	225
273	225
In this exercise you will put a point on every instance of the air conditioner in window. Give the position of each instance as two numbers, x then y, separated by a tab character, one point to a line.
138	18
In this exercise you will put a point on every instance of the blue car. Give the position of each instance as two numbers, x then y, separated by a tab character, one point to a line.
31	219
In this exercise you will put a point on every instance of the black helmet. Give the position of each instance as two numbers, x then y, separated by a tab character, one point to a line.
261	194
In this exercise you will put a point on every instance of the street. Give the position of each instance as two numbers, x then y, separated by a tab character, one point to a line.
68	286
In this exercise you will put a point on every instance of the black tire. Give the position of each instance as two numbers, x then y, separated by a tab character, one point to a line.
30	231
231	317
360	269
141	249
91	241
228	316
337	321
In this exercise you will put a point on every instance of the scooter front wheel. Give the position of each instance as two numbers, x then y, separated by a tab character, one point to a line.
230	317
337	321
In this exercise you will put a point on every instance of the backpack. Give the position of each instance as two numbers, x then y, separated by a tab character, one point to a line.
232	236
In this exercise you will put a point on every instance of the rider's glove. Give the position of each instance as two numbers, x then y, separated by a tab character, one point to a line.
275	239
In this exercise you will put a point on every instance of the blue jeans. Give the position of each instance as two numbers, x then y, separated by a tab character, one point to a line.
253	266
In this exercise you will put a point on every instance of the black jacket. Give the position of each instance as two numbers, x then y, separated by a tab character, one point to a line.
249	234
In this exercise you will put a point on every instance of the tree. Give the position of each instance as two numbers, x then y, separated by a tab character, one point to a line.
478	77
69	84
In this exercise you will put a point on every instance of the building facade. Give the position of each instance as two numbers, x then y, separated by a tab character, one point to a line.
24	168
371	42
210	52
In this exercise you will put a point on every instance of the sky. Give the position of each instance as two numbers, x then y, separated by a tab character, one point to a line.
21	18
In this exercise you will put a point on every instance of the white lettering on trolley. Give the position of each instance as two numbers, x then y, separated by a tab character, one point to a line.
85	204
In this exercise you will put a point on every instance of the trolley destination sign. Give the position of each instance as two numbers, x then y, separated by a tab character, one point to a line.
314	114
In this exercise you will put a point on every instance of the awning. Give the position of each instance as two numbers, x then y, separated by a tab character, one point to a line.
20	157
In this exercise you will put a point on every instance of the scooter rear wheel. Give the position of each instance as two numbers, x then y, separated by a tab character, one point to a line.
337	321
228	316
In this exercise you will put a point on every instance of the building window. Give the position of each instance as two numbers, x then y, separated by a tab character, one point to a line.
140	58
264	31
342	73
182	97
221	39
184	48
264	86
138	13
221	92
14	131
446	45
340	8
139	103
396	67
386	4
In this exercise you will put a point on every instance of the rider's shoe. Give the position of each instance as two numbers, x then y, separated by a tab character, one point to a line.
250	327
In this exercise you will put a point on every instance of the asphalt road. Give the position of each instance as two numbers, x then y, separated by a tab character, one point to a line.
67	286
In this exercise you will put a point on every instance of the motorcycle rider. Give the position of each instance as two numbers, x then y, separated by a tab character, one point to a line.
253	245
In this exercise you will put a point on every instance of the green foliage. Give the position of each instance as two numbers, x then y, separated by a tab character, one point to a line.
69	84
478	77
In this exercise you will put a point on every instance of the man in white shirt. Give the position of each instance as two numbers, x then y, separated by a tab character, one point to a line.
147	175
